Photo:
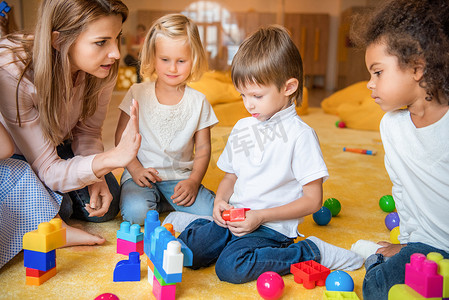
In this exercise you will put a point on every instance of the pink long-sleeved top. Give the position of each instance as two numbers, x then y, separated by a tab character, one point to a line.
58	174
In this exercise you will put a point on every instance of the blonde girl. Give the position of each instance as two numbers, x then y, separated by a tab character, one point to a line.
175	125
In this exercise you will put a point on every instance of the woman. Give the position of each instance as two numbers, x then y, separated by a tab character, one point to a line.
56	87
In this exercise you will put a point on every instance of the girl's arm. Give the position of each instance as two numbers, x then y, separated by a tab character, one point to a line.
309	203
141	176
185	191
6	143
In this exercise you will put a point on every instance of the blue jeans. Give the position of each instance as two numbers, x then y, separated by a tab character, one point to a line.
243	259
136	201
383	274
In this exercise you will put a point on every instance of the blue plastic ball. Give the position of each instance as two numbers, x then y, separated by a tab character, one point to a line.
323	216
339	281
392	220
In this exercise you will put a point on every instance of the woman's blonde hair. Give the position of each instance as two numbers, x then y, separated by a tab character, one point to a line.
174	26
52	72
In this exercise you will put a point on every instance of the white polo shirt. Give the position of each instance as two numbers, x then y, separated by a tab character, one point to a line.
272	160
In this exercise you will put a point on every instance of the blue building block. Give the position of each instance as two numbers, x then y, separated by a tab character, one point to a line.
151	223
128	270
188	255
4	8
42	261
130	233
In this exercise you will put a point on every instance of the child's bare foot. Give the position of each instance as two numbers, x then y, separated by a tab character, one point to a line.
78	237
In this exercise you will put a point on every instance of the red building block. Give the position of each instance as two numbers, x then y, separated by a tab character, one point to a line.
234	214
422	275
310	273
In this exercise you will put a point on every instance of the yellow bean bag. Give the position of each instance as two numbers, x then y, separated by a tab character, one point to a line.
355	107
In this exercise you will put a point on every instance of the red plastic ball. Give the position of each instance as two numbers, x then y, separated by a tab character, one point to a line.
342	124
107	296
270	285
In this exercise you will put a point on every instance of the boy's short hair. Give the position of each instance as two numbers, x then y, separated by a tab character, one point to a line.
268	56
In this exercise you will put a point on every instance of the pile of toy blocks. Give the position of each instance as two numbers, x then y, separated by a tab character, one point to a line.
39	254
165	255
425	278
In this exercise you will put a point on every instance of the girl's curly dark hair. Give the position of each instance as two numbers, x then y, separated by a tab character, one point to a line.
412	30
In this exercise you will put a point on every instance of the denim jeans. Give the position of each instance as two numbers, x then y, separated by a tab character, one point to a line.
74	202
383	274
136	201
243	259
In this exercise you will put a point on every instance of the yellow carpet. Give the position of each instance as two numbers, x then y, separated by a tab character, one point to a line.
357	180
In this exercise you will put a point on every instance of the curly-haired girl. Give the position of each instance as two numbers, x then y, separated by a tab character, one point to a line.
406	53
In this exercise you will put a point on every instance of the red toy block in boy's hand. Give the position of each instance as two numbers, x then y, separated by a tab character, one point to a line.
234	214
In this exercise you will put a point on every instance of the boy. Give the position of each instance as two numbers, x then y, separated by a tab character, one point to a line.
273	166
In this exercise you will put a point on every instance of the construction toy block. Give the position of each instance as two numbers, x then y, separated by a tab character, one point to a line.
125	247
336	295
310	273
161	280
39	260
151	223
403	291
150	263
170	229
188	255
47	237
34	272
421	275
443	270
150	276
234	214
164	292
130	233
33	280
173	258
159	240
128	270
4	8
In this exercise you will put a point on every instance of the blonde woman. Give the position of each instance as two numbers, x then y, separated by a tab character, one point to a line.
56	86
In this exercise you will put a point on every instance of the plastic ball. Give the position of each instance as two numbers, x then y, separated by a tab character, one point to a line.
323	216
107	296
333	205
394	234
270	285
392	220
340	124
386	203
339	281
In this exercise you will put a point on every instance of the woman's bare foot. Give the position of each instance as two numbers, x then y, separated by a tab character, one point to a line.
78	237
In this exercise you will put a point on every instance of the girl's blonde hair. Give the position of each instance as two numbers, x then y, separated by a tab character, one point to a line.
52	73
174	26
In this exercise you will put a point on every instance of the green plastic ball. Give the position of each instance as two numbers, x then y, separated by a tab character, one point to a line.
387	204
333	205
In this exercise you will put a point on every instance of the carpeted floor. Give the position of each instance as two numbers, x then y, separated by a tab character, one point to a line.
357	180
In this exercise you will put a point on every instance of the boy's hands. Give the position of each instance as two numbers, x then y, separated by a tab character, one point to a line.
185	192
389	249
144	176
219	207
252	221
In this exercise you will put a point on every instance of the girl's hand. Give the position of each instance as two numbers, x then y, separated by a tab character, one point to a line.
100	199
144	176
185	192
219	207
389	249
129	144
252	222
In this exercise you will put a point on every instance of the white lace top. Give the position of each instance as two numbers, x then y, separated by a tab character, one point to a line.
168	130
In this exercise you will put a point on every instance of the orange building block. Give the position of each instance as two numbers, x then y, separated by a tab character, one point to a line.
47	237
31	280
